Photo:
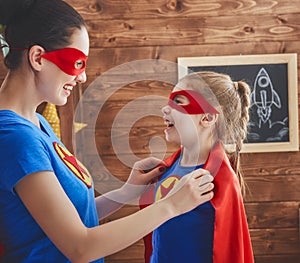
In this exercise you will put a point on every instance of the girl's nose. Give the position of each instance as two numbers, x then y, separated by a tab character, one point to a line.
166	109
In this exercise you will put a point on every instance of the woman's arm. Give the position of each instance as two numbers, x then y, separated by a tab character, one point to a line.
142	173
48	204
112	201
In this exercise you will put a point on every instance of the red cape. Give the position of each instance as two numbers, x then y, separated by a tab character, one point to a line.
231	235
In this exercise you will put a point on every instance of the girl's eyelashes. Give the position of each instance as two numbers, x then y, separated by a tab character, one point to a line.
180	100
177	101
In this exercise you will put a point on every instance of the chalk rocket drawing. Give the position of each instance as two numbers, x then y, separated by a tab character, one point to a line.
264	97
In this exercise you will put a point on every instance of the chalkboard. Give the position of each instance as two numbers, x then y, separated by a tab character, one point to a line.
273	124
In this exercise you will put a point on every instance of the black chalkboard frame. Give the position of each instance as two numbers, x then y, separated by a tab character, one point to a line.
284	66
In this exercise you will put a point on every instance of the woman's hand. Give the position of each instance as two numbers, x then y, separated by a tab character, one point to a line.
142	174
192	190
146	170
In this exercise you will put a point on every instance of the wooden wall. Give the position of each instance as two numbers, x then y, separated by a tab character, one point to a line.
124	31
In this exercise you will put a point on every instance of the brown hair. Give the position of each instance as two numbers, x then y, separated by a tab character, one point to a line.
233	101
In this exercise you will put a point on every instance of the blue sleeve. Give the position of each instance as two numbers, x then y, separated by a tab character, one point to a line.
23	152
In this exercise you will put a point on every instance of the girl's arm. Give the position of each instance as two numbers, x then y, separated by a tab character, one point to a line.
47	202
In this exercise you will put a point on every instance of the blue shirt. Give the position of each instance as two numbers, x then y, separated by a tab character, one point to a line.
26	149
185	238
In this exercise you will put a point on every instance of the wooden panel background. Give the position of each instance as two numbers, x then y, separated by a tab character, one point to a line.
124	31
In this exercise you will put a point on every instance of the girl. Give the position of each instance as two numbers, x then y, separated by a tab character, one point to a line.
206	111
48	212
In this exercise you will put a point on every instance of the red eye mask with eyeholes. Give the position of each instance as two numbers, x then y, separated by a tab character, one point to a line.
72	61
197	105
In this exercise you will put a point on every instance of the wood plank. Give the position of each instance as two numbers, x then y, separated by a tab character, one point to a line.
273	188
102	60
150	140
254	164
136	140
141	9
122	89
275	241
275	214
208	30
293	258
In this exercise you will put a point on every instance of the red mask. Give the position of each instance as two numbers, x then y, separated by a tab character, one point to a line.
197	105
72	61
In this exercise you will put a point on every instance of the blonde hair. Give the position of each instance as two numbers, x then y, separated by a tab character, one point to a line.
232	99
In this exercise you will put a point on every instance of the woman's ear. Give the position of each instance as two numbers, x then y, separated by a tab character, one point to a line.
208	119
35	57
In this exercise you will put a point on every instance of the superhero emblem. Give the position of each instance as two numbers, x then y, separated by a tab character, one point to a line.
73	164
166	186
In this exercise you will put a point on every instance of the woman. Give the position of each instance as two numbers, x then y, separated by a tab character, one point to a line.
48	212
206	112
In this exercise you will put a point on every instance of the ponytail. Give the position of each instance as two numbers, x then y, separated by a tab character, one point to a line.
243	91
